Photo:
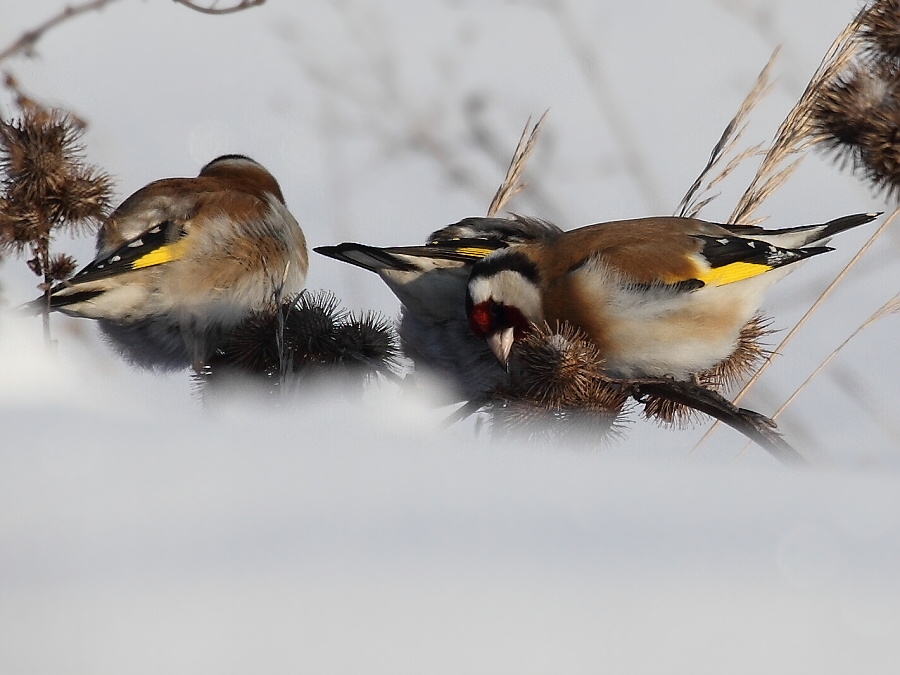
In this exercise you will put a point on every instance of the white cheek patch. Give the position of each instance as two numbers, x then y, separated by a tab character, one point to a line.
509	288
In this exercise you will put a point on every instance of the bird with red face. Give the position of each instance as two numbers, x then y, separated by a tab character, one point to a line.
659	297
430	282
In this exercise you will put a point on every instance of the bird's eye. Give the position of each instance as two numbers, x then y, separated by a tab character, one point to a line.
498	314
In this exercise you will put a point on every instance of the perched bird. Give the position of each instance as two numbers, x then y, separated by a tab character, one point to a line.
184	260
659	297
430	282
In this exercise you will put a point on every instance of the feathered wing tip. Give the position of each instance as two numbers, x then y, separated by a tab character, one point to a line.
556	389
515	229
747	356
305	336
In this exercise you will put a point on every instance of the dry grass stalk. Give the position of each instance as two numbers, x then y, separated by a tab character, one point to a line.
796	133
696	198
836	110
512	184
892	306
791	333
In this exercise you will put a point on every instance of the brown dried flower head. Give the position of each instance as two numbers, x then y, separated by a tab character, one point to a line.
560	368
880	29
305	334
557	390
45	181
859	116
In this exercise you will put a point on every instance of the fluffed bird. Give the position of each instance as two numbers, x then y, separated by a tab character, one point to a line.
659	297
430	282
184	260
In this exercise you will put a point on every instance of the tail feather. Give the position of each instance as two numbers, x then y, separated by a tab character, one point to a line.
803	235
402	258
58	300
838	225
368	257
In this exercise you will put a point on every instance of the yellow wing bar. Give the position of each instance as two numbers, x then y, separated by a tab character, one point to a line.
736	271
161	255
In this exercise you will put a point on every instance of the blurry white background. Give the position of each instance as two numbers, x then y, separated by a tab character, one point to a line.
142	533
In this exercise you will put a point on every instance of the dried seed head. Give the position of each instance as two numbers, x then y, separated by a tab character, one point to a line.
557	389
524	421
880	29
308	332
61	267
368	340
857	116
20	227
45	182
83	199
744	360
561	368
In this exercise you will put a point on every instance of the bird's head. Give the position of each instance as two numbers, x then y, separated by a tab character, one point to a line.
503	299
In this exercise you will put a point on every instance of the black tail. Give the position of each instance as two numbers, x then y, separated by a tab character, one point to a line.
838	225
37	305
368	257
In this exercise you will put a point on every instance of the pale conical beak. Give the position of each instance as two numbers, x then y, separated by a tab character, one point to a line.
500	343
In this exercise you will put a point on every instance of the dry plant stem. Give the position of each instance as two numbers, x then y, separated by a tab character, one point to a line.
45	317
794	137
887	308
511	185
244	4
29	38
691	204
787	338
758	428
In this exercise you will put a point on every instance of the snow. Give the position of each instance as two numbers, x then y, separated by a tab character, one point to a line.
143	532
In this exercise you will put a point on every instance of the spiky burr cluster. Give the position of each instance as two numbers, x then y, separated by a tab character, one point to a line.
857	114
46	187
304	337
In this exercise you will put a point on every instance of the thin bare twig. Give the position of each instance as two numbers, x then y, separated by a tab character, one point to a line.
26	41
239	7
511	184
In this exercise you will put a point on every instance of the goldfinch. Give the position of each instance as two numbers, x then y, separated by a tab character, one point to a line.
184	260
430	282
659	297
